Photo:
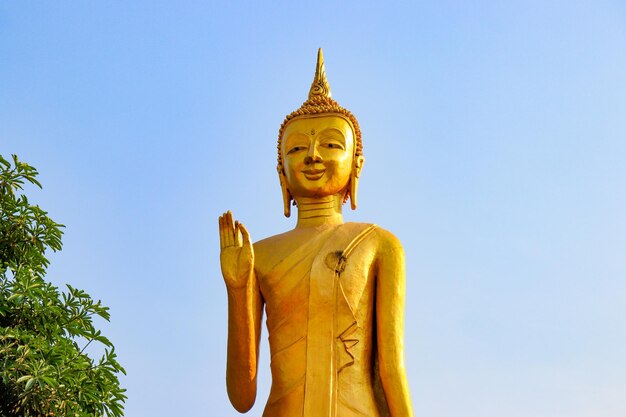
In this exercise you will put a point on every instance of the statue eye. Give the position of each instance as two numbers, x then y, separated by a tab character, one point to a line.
295	149
333	145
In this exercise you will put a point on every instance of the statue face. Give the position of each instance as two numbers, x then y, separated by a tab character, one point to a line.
318	154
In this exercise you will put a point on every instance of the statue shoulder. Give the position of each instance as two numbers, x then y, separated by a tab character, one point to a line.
384	240
264	245
269	251
387	241
389	257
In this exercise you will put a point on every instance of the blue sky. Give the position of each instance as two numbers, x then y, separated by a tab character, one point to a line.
494	136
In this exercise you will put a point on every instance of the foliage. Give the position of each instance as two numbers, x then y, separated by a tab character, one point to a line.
44	368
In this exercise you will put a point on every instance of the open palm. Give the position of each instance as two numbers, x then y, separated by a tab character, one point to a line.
237	255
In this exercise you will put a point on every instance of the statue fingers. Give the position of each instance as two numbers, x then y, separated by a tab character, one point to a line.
230	227
222	230
237	234
227	232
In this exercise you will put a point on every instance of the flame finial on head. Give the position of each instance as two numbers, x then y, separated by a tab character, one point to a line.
320	86
320	102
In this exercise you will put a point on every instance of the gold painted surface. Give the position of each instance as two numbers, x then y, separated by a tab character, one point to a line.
333	292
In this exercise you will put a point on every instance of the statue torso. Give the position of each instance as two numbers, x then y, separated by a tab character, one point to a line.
320	323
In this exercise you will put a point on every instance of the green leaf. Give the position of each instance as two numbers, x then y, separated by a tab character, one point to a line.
24	378
29	384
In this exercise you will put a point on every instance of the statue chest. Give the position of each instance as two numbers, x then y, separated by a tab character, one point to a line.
287	286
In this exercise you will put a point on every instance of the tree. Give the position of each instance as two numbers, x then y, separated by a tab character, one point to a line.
44	332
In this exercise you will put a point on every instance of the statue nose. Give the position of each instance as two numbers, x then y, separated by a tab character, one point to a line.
313	155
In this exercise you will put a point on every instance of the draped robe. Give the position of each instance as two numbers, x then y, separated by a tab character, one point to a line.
320	305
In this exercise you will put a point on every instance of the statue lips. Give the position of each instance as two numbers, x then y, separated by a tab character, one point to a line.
313	174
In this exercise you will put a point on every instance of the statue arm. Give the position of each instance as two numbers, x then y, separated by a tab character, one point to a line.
390	299
245	309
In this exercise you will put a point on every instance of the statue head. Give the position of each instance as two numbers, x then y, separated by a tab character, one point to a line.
320	151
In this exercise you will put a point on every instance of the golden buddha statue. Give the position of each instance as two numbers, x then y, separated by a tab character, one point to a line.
333	291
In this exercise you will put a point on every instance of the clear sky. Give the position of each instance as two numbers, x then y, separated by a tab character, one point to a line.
495	143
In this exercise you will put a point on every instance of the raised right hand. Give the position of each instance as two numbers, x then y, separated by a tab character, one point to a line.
237	255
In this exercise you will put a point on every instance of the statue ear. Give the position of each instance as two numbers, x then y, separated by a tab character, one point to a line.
354	179
285	191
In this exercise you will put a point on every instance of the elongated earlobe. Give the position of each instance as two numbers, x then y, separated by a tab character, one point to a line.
354	180
285	192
